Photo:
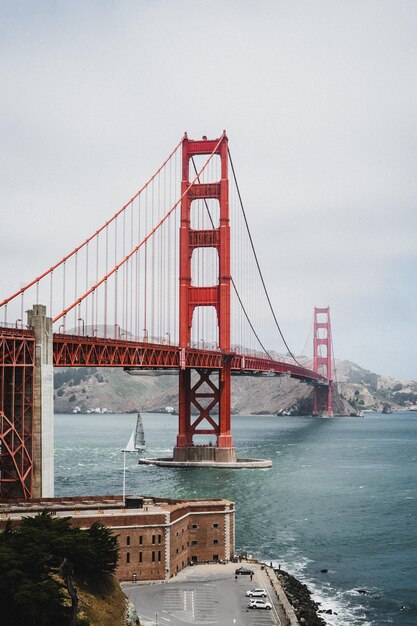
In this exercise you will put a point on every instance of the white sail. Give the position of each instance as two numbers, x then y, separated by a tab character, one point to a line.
139	434
130	446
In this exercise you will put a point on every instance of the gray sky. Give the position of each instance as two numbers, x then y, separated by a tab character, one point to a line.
319	101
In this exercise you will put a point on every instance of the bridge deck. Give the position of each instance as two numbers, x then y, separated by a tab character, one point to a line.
81	351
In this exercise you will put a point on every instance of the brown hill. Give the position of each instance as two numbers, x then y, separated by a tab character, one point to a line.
89	389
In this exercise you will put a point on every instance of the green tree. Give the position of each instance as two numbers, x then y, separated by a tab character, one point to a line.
32	556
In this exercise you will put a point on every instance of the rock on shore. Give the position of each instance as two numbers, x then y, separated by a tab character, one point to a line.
299	597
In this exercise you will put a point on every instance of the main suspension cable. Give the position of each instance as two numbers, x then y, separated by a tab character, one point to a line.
231	278
140	244
257	262
95	234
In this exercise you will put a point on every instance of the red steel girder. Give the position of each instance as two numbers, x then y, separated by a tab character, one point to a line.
79	351
16	412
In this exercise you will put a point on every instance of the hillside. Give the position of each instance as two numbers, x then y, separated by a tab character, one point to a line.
89	389
105	605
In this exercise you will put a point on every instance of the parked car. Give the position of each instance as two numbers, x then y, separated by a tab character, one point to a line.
256	593
244	571
259	604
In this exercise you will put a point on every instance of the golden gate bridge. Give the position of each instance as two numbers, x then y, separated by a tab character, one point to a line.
171	281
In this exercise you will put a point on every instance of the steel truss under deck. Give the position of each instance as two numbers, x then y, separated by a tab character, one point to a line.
16	413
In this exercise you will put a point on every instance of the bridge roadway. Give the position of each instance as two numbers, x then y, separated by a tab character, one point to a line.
84	351
80	351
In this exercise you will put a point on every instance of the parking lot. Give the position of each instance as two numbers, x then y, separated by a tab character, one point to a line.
205	594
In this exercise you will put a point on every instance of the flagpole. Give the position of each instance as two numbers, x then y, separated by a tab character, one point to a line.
124	477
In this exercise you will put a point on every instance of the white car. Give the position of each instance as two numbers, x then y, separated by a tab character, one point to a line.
259	604
256	593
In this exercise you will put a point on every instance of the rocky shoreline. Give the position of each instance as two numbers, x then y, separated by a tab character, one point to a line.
299	596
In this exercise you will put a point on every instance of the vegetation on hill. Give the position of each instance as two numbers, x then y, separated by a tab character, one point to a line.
43	561
86	389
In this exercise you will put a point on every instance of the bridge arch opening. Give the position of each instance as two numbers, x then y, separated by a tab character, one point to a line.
205	328
322	350
211	174
204	267
205	214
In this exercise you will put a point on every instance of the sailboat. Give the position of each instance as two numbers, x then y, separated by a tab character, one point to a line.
136	442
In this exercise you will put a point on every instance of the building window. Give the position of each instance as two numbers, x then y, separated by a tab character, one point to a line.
194	543
128	540
127	558
194	526
153	539
159	555
215	541
159	538
215	525
177	550
215	557
140	557
140	540
153	556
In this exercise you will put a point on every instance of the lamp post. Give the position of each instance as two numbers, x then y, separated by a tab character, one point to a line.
17	322
80	319
169	338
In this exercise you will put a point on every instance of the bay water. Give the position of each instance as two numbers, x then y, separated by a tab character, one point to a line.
340	496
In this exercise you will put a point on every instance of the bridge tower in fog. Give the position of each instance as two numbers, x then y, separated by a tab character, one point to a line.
322	361
209	388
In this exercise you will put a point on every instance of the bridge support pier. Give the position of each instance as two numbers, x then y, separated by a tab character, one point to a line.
322	355
208	390
43	403
212	389
204	395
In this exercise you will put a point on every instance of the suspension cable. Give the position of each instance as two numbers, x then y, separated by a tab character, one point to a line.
231	278
308	337
141	243
86	242
257	262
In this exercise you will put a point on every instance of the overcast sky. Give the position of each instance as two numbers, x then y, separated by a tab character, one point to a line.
319	100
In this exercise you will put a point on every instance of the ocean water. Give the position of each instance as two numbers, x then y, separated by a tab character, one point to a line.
341	496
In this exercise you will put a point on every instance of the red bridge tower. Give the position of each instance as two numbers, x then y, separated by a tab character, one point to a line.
208	388
322	355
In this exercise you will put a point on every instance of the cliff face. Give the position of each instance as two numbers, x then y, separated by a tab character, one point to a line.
87	389
365	390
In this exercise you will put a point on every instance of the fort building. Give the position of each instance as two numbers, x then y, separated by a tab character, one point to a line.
157	537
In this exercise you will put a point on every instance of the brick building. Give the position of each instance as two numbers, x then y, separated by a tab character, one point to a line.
157	537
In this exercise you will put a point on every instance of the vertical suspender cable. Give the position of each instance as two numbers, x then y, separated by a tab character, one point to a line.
257	262
76	322
105	284
145	303
63	287
51	289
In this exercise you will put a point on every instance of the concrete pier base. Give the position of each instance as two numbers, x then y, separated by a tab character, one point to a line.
211	454
206	456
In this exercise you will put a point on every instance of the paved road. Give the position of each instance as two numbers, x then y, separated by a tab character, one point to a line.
204	594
